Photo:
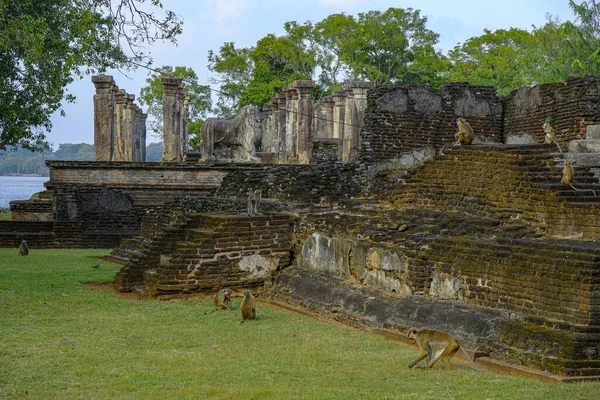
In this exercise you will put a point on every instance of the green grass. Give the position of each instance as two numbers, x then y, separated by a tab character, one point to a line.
62	340
5	215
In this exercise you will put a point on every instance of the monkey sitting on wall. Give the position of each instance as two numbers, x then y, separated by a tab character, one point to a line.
465	132
435	345
23	249
248	306
253	202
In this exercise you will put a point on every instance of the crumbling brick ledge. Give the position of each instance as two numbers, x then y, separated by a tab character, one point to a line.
487	331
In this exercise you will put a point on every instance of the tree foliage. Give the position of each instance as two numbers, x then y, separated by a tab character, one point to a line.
46	44
392	47
254	75
510	59
200	102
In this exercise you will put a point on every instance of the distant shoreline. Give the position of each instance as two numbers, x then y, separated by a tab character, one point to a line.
28	175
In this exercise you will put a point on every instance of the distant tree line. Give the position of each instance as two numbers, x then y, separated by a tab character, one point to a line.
46	44
26	162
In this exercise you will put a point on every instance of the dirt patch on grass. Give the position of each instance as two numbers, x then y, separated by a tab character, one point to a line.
109	287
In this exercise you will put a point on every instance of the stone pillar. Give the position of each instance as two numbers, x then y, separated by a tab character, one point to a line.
339	110
325	124
137	140
281	126
186	120
119	136
290	121
103	117
266	138
359	92
304	117
171	134
346	133
143	117
180	119
128	128
339	99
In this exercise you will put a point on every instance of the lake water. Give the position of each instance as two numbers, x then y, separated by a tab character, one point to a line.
19	188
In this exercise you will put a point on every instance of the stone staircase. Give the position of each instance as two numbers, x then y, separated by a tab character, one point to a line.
507	182
205	252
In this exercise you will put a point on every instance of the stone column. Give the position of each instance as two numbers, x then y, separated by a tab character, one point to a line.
346	136
290	121
326	116
304	117
180	119
359	92
171	135
143	117
137	145
119	138
103	117
129	127
186	120
339	99
339	110
281	126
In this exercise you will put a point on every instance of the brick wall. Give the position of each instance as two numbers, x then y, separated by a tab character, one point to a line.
571	106
38	234
325	150
406	118
208	252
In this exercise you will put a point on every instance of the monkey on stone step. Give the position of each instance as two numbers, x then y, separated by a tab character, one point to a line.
465	132
435	345
550	134
567	177
248	306
23	249
253	202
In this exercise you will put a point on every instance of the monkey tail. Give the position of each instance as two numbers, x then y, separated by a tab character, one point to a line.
470	359
583	190
559	149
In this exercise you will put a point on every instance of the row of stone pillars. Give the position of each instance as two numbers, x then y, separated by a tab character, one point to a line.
119	124
291	122
287	123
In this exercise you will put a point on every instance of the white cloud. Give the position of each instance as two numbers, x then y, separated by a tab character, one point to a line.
227	9
342	3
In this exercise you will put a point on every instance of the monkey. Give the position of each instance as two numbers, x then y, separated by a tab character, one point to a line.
253	202
222	298
567	177
248	306
465	132
435	345
550	134
23	249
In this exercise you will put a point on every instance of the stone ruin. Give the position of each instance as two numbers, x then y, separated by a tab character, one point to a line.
390	229
119	124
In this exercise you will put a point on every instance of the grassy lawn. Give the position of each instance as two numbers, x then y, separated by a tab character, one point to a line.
62	340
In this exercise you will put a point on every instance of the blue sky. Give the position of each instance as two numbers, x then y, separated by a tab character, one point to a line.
210	23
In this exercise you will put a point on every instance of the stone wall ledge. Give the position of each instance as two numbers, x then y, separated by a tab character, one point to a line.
505	337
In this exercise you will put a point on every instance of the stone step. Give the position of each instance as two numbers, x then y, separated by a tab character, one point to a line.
585	146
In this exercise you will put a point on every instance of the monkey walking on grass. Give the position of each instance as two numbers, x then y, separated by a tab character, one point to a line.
436	345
